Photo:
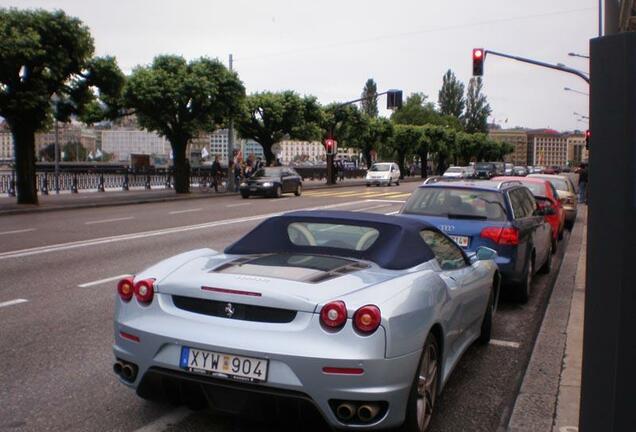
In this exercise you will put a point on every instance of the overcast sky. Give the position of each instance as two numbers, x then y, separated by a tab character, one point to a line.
329	48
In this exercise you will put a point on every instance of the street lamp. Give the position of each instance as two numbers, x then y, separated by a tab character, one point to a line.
578	55
581	115
575	91
54	100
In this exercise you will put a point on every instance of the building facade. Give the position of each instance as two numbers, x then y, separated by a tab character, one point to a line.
577	152
301	151
547	147
518	138
6	146
121	143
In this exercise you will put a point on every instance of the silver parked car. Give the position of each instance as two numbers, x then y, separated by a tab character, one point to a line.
363	315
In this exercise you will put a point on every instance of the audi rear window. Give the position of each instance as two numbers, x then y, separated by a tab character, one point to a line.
456	203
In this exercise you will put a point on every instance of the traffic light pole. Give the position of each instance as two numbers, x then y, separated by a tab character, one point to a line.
561	68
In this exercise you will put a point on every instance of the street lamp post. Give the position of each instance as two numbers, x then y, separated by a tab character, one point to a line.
575	91
55	99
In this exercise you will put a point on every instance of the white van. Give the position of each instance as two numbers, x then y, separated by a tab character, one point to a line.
383	173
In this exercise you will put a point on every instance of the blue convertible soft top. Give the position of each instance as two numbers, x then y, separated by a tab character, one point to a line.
399	245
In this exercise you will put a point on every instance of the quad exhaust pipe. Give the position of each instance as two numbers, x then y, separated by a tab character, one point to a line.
351	412
127	371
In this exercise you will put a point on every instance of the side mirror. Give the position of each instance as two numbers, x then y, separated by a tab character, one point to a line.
484	253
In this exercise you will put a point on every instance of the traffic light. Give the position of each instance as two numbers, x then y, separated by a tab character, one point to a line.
588	134
478	61
393	99
330	146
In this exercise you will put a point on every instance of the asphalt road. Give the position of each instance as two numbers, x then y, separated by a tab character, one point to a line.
57	288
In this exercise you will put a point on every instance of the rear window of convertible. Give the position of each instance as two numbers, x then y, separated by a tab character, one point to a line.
456	203
352	237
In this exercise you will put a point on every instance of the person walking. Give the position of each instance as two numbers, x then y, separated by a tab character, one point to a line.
217	172
583	180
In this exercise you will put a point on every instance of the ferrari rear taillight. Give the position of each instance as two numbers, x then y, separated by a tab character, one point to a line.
367	319
334	315
145	290
501	235
125	288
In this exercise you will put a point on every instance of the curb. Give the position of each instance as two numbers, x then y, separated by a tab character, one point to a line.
536	405
150	199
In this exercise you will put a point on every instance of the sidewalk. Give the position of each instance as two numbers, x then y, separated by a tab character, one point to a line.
91	199
549	398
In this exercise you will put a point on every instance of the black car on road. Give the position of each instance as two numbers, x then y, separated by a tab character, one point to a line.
272	181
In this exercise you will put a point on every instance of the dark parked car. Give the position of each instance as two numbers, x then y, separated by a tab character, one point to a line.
272	181
503	216
485	170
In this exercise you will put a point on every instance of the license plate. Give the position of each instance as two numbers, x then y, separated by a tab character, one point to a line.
460	240
222	365
253	188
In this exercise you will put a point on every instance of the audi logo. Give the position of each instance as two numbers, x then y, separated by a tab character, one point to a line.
447	227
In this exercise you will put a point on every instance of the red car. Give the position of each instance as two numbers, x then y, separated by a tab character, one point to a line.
546	197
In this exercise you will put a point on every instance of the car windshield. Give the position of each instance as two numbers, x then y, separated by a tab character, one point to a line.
457	203
484	166
559	184
268	172
380	167
537	189
352	237
455	170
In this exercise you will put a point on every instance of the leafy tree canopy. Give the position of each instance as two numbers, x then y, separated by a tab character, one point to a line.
477	108
369	97
272	117
418	111
451	96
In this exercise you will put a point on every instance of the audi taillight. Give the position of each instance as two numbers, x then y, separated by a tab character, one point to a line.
367	319
334	315
501	235
125	288
145	290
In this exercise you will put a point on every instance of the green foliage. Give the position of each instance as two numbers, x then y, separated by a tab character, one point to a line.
451	96
369	97
179	100
477	108
74	151
43	56
272	117
377	135
405	142
417	111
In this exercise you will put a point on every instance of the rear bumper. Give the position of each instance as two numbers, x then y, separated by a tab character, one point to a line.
296	359
570	214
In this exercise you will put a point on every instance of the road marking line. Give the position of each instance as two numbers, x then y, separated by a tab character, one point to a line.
13	302
504	343
373	207
17	231
185	211
164	422
282	199
238	205
392	213
385	200
108	220
101	281
145	234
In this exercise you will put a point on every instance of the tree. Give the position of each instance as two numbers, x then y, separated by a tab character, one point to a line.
477	108
378	134
43	54
417	111
451	96
369	103
180	100
405	141
272	117
74	151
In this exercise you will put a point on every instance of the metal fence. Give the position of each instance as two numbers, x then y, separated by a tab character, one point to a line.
117	178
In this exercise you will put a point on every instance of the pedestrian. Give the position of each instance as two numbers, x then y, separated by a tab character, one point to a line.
583	180
217	172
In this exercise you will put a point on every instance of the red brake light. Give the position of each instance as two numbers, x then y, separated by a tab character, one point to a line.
145	290
367	319
125	288
500	235
334	314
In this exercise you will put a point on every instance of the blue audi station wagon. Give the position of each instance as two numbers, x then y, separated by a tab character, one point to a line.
503	216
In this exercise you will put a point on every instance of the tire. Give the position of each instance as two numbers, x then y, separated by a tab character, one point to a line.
397	182
389	183
547	265
555	246
278	192
245	195
486	324
425	393
368	184
299	190
561	233
523	288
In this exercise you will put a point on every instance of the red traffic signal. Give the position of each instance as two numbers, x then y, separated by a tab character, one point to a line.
330	146
478	61
588	135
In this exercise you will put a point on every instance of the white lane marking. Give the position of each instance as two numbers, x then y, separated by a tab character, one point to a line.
101	281
238	205
164	422
145	234
392	213
17	231
282	199
185	211
13	302
504	343
385	200
373	207
108	220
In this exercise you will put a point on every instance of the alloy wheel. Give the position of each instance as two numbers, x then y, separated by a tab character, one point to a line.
427	387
